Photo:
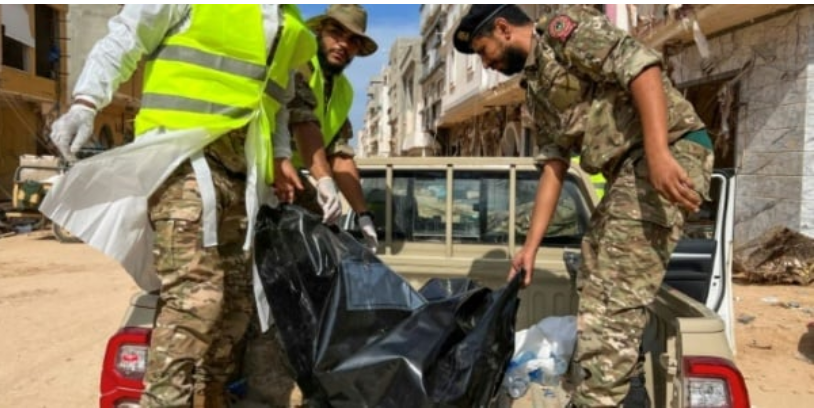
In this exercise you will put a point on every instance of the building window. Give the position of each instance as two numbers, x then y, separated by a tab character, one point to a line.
17	38
14	53
46	25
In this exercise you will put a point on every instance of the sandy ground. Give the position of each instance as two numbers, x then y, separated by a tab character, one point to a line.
59	303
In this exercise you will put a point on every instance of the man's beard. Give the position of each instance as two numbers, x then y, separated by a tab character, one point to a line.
514	59
327	66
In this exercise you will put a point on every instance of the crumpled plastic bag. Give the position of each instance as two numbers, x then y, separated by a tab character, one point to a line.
541	354
358	335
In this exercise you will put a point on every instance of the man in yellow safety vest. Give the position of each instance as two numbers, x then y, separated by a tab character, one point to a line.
341	36
176	207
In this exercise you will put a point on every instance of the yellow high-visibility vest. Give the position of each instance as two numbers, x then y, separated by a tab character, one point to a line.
333	116
215	76
598	180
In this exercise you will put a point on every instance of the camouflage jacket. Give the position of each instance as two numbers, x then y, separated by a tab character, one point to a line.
577	79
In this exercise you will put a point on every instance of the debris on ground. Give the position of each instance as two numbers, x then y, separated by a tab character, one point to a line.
780	256
760	346
745	319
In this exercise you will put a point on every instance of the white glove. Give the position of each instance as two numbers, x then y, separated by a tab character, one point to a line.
328	199
369	232
75	125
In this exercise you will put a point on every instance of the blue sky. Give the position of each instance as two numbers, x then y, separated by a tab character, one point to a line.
385	23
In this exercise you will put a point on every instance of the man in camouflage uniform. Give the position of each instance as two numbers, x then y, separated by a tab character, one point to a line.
205	292
596	91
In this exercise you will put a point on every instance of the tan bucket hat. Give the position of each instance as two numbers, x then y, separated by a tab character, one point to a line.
351	16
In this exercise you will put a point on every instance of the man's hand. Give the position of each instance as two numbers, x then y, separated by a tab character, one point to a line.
523	261
328	198
369	232
72	130
672	182
286	180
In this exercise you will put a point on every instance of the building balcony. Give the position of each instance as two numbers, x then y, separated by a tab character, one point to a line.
431	68
429	15
657	24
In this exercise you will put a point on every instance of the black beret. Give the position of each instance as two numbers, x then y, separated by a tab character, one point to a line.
472	23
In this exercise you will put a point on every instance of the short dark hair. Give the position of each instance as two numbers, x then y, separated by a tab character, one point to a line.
512	13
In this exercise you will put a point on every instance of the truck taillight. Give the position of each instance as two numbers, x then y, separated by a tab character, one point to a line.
714	382
131	361
123	368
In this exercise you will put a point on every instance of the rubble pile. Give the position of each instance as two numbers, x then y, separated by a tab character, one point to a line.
780	256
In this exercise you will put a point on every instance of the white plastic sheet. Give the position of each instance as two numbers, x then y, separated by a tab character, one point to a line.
102	200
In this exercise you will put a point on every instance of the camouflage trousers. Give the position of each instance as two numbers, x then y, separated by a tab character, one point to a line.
625	255
206	298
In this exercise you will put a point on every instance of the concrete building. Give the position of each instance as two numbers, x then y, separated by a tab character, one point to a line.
404	97
33	87
370	134
749	70
433	71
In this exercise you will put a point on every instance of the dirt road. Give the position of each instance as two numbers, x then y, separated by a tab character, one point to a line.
59	303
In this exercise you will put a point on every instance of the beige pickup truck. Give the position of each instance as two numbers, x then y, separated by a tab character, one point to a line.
453	217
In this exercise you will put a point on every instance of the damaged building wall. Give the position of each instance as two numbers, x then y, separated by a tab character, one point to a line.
496	133
771	65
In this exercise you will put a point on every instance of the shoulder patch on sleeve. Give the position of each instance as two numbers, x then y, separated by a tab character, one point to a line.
561	27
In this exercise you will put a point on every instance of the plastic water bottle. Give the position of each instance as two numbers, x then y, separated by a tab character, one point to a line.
517	377
517	383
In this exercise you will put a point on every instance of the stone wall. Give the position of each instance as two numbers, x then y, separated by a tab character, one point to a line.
775	134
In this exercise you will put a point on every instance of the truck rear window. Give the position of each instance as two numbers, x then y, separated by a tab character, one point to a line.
480	206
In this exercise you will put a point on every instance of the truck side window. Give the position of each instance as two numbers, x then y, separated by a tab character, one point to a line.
565	227
701	225
480	207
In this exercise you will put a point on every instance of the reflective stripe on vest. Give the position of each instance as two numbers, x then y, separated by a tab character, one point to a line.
206	76
296	47
333	116
212	77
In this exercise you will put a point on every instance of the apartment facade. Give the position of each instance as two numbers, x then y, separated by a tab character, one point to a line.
433	72
403	91
370	136
33	88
